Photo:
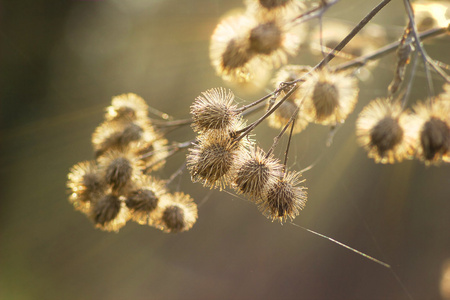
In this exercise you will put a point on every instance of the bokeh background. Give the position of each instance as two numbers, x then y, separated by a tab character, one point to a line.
62	61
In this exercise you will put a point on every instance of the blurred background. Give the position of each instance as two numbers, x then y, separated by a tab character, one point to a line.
62	61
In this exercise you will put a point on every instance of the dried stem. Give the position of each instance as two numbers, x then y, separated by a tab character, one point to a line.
163	124
361	61
289	143
277	138
314	12
352	34
426	59
243	132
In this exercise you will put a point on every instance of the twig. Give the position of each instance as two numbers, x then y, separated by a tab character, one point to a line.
243	132
314	13
417	42
162	124
277	138
289	143
352	34
361	61
426	59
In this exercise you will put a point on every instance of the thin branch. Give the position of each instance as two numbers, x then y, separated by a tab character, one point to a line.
314	12
176	147
289	144
361	61
426	59
418	43
352	34
276	139
243	132
245	107
163	124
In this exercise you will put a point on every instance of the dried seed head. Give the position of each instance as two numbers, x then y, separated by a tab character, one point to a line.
178	213
265	38
118	172
432	130
285	199
143	200
109	213
214	109
173	218
106	209
435	138
119	135
236	55
284	113
431	14
211	160
382	130
329	97
229	49
119	169
272	39
386	135
114	135
127	107
256	173
85	184
245	45
325	98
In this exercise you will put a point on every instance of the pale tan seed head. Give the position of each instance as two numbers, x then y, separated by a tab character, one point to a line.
285	199
245	45
109	212
127	107
329	97
382	129
431	129
120	169
85	183
255	173
177	213
273	39
118	135
284	113
265	38
214	110
144	199
230	49
212	158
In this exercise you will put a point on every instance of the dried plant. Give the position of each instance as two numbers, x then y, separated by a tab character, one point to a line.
129	147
